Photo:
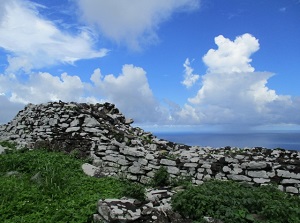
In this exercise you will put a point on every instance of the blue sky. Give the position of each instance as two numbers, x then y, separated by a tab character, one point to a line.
168	64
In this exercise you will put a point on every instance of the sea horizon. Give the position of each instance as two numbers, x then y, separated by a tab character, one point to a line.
278	139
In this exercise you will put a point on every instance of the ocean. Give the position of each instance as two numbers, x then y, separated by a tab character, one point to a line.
271	140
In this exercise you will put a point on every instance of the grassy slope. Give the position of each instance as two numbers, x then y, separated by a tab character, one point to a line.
61	192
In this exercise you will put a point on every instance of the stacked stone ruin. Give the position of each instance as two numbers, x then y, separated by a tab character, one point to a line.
101	132
117	148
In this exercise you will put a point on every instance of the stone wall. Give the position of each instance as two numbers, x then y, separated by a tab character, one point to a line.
103	133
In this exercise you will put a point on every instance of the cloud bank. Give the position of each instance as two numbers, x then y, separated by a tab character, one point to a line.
129	90
133	22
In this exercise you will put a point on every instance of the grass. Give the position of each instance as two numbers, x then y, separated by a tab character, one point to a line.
60	191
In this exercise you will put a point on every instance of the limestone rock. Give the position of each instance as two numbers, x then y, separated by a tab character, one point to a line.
293	190
2	149
89	169
239	177
167	162
91	122
256	165
72	129
258	174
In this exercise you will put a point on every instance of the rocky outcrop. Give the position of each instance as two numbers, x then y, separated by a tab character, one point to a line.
101	132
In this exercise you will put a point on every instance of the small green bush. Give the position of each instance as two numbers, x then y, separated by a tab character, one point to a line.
235	202
161	177
134	190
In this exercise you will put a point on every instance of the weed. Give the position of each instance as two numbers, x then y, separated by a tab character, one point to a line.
146	139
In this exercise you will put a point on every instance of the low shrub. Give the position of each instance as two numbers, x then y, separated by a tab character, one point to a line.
236	202
134	190
161	177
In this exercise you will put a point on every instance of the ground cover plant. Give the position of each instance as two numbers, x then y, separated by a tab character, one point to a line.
235	202
41	186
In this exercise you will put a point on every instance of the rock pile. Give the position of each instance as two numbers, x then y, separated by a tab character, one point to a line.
101	132
155	209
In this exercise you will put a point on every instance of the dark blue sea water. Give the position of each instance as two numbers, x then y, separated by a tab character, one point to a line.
285	140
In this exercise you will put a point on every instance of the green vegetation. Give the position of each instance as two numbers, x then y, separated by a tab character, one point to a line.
43	186
8	144
183	181
172	156
161	177
235	202
147	139
50	187
134	190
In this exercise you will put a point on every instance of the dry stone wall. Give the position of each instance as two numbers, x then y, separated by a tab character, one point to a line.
101	132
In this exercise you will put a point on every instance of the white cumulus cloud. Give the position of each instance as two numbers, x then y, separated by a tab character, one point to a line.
38	88
233	93
231	56
133	22
33	42
131	92
189	78
42	87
